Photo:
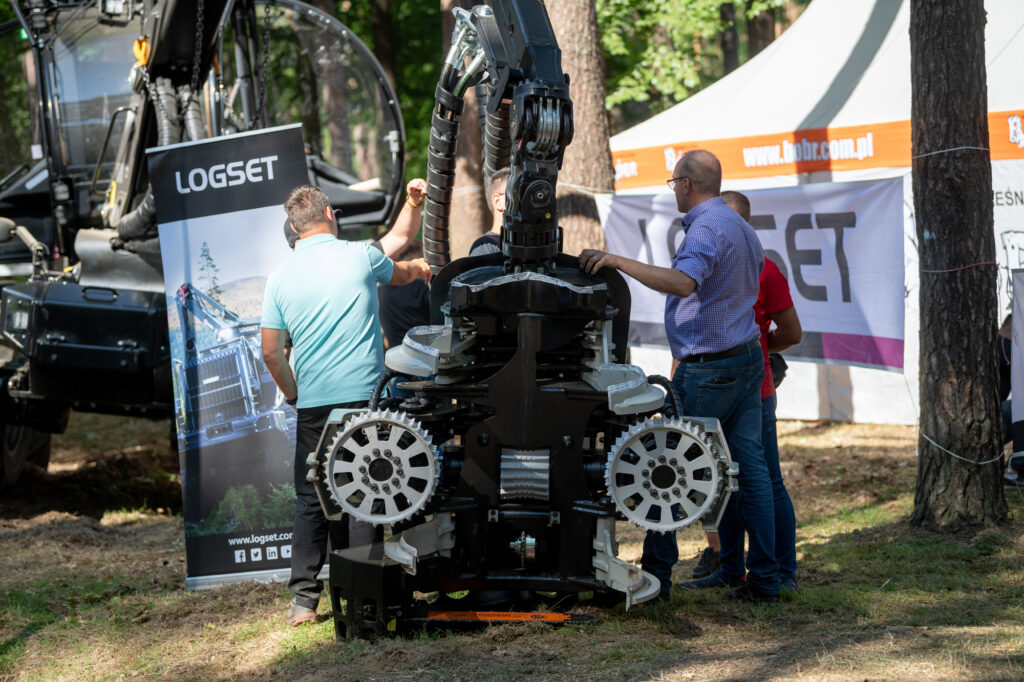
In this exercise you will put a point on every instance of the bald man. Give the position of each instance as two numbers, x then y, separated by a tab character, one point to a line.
709	320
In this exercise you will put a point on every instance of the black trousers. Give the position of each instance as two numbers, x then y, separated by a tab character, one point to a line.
312	530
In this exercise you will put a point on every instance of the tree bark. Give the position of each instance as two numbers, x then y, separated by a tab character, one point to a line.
959	400
382	28
760	31
730	38
588	159
471	213
334	94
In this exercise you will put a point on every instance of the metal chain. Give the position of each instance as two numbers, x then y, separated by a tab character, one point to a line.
261	77
158	103
197	56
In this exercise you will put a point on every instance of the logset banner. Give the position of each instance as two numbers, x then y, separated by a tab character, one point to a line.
840	245
220	211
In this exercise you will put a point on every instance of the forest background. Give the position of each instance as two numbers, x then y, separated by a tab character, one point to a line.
653	53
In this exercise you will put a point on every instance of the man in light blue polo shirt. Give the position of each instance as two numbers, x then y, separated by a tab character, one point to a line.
325	297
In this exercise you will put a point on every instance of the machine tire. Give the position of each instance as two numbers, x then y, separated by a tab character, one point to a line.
18	445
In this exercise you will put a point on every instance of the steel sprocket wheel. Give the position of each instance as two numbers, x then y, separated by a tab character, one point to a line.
382	468
664	474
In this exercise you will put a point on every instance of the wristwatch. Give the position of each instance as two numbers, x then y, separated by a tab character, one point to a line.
293	400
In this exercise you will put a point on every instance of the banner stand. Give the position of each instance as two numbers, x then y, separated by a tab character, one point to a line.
220	210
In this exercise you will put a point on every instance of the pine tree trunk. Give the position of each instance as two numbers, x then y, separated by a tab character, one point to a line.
471	214
383	29
588	159
760	31
334	94
953	205
730	38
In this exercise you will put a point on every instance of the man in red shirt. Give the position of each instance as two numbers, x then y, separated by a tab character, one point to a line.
773	304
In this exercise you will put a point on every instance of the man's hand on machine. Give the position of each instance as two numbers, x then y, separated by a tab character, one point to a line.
592	260
410	270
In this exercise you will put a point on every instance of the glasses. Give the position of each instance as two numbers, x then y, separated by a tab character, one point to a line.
672	182
337	212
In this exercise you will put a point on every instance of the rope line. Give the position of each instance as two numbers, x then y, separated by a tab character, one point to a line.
946	151
932	441
965	267
953	454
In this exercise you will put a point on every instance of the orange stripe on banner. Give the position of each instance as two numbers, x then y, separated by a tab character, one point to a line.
499	616
879	145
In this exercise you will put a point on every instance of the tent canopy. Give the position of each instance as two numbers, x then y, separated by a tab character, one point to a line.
838	75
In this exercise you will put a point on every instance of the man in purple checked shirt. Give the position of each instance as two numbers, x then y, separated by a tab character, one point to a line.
709	319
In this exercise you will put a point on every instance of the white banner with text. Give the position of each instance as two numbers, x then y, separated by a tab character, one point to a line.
840	245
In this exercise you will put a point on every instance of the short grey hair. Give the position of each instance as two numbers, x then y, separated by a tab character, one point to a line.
305	207
738	202
703	169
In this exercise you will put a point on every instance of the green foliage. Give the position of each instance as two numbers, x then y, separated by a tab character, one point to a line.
659	52
418	60
247	508
418	38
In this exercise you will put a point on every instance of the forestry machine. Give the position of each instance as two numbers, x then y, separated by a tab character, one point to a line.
517	435
230	409
87	87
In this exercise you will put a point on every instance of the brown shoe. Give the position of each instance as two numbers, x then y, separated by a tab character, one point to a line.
300	615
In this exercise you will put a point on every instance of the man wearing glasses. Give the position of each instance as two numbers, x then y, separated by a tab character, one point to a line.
709	319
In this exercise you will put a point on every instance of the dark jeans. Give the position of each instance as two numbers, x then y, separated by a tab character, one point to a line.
312	530
729	390
785	518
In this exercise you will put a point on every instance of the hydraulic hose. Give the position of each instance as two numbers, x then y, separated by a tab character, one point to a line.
141	222
671	397
444	130
497	141
378	387
194	128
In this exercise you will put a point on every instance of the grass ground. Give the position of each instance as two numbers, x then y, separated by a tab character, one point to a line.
93	573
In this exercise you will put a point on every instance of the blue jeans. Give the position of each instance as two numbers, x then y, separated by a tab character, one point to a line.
785	518
729	390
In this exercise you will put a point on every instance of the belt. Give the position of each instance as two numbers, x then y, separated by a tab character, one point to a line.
744	347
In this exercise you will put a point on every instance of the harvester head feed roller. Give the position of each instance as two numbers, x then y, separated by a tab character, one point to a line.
664	474
382	467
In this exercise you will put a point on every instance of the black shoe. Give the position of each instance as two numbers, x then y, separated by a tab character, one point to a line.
747	592
713	580
709	562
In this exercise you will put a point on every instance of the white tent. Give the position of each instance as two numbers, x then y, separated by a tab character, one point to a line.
829	101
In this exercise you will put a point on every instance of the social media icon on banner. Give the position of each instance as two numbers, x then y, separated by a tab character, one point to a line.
256	553
240	556
286	551
271	553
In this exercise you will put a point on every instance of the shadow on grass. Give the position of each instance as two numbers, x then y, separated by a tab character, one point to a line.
102	485
870	598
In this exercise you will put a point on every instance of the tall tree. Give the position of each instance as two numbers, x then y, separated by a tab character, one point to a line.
760	27
209	273
383	29
952	175
588	160
471	214
730	38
